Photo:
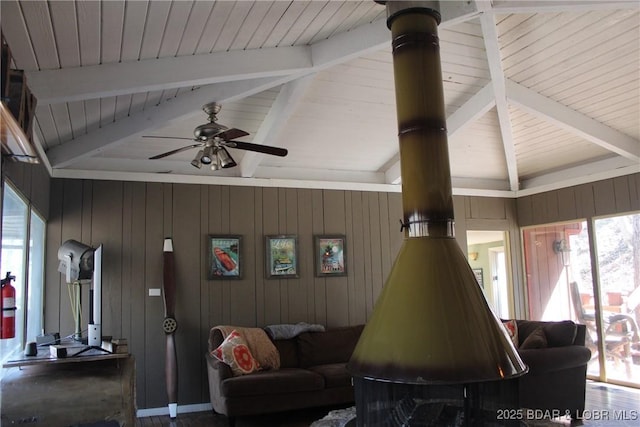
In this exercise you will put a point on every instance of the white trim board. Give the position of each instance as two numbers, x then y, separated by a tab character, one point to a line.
182	409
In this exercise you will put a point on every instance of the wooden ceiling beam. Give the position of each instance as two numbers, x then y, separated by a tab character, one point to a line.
492	48
283	107
113	79
537	6
580	174
573	121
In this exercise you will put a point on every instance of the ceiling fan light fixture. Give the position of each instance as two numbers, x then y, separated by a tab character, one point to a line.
207	156
197	161
225	159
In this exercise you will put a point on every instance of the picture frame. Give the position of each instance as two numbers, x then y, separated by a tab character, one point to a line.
479	277
225	257
330	255
281	257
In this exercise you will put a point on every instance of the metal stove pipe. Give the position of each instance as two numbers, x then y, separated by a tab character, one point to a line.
431	323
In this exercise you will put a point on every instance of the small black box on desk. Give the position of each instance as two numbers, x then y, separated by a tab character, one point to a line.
58	351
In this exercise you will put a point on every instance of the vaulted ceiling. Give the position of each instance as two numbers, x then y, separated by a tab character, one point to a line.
539	94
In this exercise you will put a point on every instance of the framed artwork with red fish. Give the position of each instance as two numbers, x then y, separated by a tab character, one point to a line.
225	261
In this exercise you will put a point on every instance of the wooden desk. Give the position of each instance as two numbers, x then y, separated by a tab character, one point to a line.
18	359
44	391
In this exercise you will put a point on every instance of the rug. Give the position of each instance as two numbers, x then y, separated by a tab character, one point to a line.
347	417
606	406
336	418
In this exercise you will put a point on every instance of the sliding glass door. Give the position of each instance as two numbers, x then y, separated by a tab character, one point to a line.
590	273
617	241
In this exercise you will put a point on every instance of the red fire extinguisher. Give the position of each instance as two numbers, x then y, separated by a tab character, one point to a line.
8	305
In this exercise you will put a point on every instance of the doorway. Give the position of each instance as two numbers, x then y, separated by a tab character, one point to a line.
488	258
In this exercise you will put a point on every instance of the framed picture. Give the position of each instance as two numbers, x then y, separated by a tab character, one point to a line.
478	273
225	260
330	255
281	257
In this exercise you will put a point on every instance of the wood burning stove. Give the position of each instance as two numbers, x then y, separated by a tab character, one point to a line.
432	351
392	404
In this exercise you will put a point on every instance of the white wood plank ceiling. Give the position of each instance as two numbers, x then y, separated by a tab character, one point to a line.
539	94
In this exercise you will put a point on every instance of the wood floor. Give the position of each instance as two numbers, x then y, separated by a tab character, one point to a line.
606	406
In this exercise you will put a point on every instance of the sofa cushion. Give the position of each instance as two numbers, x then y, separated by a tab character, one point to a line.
537	339
288	350
235	352
284	380
331	346
334	374
559	334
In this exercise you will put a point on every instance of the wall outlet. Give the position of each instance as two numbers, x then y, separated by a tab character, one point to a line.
154	292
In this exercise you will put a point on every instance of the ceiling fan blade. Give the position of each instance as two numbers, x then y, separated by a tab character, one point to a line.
167	137
177	150
232	133
266	149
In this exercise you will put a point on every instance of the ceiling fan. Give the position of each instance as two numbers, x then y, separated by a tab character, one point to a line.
213	139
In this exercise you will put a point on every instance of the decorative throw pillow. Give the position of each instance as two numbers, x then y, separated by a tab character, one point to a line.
512	329
235	352
536	339
560	334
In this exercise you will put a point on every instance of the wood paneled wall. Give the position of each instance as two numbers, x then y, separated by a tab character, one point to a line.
131	219
600	198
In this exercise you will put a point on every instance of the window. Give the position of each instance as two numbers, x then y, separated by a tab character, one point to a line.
22	254
35	299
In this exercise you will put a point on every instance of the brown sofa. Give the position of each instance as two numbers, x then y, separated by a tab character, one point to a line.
312	373
556	381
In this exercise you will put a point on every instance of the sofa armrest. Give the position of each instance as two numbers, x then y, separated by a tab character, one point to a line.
217	372
221	371
215	339
581	334
544	360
